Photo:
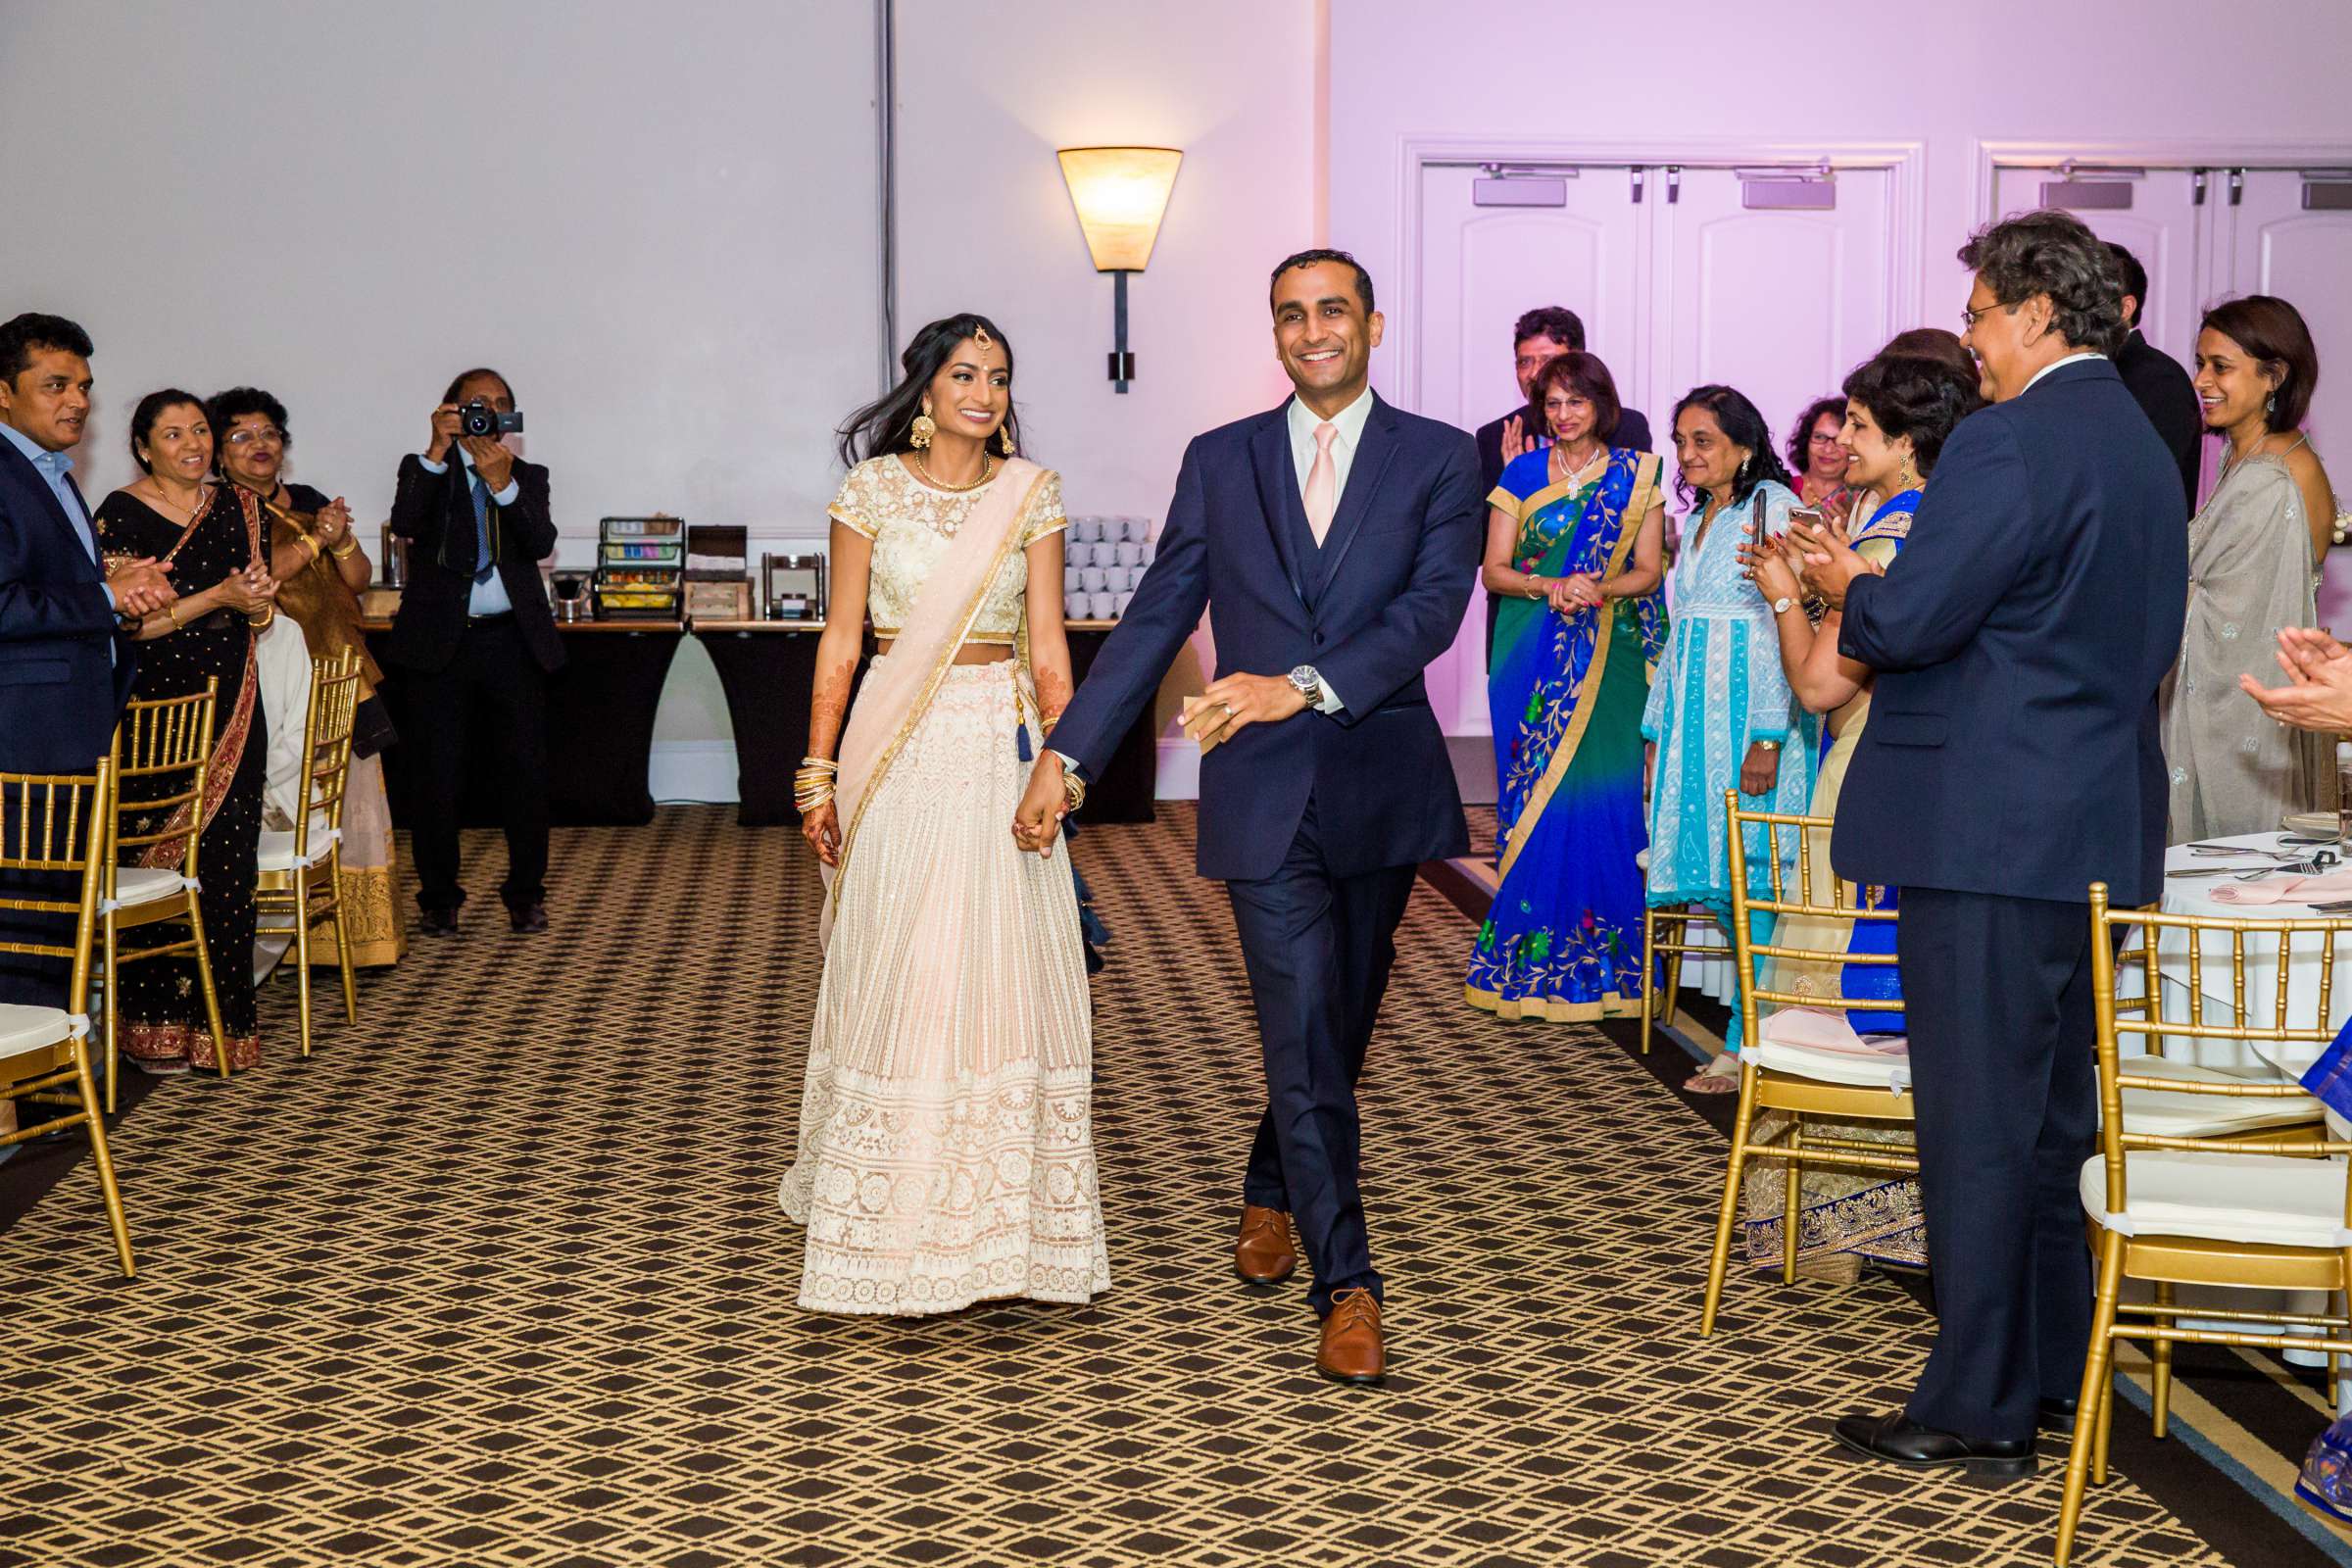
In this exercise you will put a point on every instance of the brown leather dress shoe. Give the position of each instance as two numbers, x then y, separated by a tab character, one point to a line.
1352	1349
1263	1254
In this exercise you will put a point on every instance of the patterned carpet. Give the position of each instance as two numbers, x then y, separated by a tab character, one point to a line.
498	1278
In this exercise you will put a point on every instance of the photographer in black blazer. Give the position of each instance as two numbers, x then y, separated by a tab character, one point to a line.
474	637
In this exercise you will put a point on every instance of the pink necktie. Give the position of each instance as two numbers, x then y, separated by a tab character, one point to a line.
1322	484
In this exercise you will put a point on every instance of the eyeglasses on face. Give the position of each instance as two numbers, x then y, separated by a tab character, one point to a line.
1968	318
253	433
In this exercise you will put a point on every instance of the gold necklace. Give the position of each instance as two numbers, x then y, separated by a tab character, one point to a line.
987	468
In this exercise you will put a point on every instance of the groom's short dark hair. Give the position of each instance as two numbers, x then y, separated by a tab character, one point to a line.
1363	279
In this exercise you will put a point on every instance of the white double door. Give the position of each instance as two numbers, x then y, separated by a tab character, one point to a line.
1678	283
2211	234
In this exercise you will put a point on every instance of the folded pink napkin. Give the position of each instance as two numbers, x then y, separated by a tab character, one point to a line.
2287	889
1819	1029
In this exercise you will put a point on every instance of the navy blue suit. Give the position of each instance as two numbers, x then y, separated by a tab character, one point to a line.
2011	760
1316	824
61	691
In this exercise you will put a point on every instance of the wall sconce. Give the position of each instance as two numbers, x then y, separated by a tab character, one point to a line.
1120	194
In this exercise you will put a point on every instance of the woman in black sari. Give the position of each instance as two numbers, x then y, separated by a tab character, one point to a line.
212	535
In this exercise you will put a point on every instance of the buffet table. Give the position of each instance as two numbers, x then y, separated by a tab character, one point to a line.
600	726
768	671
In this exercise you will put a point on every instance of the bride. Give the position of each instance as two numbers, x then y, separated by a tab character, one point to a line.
947	1148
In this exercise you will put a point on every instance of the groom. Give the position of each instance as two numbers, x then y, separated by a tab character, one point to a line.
1336	539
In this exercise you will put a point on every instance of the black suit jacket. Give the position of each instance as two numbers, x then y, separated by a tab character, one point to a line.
2166	395
2019	640
425	507
1632	430
1382	597
61	696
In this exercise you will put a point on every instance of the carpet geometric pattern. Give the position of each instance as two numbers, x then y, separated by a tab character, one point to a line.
498	1278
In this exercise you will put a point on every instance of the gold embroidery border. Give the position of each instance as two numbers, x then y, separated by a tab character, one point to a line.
939	673
1646	481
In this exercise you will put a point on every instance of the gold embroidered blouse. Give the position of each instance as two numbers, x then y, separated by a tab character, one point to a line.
911	524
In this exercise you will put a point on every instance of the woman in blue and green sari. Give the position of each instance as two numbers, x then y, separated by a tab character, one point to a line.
1573	554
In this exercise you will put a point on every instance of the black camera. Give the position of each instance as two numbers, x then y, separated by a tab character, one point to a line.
478	417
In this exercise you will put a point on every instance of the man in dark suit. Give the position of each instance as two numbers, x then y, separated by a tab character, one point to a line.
2157	382
66	656
1540	336
1335	540
474	637
2011	760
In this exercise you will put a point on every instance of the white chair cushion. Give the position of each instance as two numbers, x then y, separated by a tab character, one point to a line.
135	885
2220	1196
1817	1043
278	849
2182	1115
25	1028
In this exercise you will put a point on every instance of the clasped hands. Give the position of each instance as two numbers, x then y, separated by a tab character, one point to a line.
1229	705
141	586
2318	695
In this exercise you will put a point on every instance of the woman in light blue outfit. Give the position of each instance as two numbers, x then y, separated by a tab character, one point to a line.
1721	711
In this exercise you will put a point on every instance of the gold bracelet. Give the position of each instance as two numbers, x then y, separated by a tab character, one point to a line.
350	547
1073	789
825	762
306	539
173	610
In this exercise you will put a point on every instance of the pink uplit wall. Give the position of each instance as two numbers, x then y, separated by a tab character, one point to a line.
1720	72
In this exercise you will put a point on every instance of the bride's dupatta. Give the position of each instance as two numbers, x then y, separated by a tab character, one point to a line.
896	694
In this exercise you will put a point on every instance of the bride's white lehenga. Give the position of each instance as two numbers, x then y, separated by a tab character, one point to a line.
947	1148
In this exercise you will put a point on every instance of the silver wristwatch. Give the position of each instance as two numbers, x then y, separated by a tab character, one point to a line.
1310	684
1783	605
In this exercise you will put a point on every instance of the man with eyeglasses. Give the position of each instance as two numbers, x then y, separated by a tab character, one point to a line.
2011	760
474	637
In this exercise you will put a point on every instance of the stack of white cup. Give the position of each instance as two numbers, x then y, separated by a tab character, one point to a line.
1104	560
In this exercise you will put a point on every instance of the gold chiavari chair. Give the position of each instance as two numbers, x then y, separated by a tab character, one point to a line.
1779	1071
1666	936
301	870
163	754
53	830
2253	1213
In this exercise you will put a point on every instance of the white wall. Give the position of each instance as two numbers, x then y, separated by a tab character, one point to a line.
1721	72
986	96
653	221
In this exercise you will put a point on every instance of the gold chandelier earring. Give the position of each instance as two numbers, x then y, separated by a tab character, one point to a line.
1004	437
923	429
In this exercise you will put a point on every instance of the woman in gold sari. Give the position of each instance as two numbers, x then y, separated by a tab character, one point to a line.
320	567
946	1152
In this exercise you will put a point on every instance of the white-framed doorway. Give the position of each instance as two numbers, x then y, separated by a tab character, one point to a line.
1682	273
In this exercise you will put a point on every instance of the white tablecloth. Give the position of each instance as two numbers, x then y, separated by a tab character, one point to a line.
2194	896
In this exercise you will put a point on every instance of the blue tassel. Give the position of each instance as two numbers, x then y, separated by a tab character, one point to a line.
1020	742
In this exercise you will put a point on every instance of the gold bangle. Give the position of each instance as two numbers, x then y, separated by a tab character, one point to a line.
306	539
350	547
1073	788
825	762
172	609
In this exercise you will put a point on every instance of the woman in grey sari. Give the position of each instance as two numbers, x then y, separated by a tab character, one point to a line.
2253	565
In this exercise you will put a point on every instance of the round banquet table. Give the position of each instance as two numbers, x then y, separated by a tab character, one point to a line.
2257	1059
2195	896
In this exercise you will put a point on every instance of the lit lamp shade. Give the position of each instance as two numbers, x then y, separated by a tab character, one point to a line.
1120	194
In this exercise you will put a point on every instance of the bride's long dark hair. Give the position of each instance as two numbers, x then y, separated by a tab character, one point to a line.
887	425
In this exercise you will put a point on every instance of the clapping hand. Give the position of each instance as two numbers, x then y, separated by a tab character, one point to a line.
333	522
248	591
1766	558
1831	560
2319	672
1516	443
141	586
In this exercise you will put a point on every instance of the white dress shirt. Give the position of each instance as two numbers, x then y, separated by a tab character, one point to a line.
490	597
